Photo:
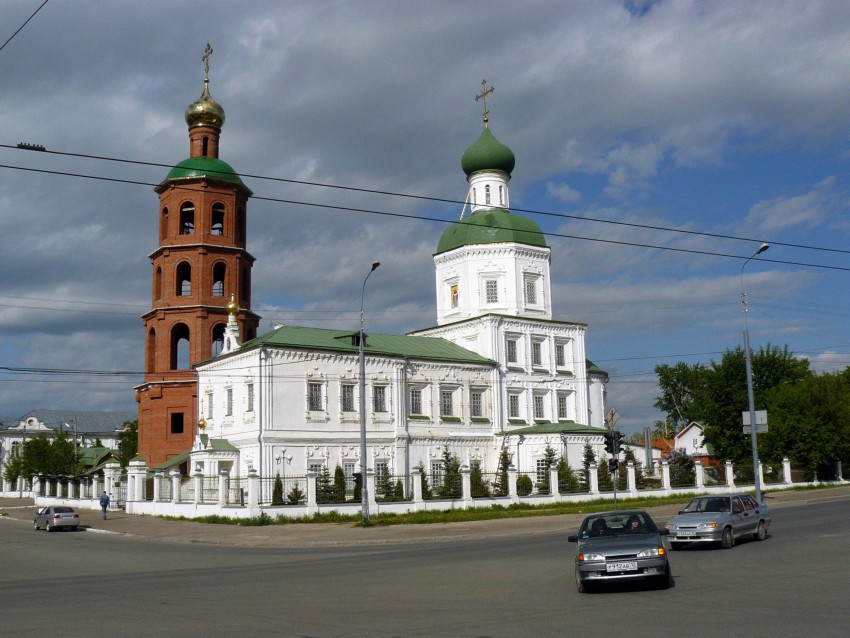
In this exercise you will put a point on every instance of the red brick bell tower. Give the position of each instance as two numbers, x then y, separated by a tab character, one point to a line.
201	262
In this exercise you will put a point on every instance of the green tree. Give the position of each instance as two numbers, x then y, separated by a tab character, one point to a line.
339	484
550	459
524	485
587	459
324	486
716	395
682	473
568	482
500	486
384	485
128	442
480	488
424	482
277	490
809	423
296	496
452	485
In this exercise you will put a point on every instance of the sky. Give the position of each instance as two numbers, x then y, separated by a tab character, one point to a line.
657	144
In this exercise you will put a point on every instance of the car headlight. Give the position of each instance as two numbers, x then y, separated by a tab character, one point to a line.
590	557
670	525
711	525
655	551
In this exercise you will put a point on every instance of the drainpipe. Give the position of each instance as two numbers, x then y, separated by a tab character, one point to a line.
260	430
404	412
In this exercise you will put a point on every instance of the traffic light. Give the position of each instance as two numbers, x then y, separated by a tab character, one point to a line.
609	442
612	465
618	442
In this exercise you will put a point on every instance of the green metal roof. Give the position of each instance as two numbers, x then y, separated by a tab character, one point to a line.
487	153
495	226
592	368
204	168
426	348
560	427
218	445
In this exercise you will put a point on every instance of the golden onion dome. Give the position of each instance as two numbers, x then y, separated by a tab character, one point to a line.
202	424
205	111
232	306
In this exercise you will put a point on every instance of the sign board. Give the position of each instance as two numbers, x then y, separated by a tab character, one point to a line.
612	417
761	418
760	429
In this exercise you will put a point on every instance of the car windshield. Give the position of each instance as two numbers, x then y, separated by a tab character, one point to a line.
614	524
708	504
62	510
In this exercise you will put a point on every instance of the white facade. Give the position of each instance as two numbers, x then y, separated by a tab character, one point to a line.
289	410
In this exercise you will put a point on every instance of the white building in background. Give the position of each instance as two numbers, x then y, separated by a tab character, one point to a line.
496	371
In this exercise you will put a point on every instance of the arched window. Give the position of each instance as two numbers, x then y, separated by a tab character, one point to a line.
217	222
501	195
150	352
219	272
187	219
487	194
179	355
157	283
184	279
205	146
163	224
240	226
217	339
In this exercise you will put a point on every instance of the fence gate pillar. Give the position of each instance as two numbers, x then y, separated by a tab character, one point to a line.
222	487
253	489
370	481
157	486
665	475
512	476
175	486
631	477
466	485
198	483
594	478
730	476
554	488
700	477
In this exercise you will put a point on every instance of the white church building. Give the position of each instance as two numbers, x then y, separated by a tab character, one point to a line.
496	371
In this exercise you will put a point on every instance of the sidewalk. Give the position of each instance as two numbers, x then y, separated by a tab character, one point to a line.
22	511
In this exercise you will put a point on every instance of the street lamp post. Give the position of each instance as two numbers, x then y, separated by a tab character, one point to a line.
747	357
364	489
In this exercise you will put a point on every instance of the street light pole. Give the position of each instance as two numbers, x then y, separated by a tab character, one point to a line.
747	356
364	489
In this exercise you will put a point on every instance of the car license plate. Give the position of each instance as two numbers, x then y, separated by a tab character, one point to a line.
685	534
624	566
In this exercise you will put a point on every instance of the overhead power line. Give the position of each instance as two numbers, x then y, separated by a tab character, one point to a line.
439	220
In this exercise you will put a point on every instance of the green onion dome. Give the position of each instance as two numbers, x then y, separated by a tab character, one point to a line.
487	154
496	226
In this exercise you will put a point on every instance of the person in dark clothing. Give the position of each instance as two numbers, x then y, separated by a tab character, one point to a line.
104	503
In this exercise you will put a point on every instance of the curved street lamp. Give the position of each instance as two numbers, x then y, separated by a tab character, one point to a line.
747	356
364	489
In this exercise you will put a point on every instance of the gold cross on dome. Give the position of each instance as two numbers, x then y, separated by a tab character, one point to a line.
206	58
483	96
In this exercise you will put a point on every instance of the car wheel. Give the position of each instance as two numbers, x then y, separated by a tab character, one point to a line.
74	528
761	532
727	540
35	525
581	586
48	526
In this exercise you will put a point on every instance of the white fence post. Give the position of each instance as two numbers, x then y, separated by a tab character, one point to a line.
417	485
512	476
466	485
222	487
311	490
730	475
594	478
175	486
665	475
253	489
553	483
631	477
699	474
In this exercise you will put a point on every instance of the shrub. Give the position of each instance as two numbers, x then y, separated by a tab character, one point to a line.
524	485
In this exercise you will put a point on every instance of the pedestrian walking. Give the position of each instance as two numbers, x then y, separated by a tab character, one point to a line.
104	503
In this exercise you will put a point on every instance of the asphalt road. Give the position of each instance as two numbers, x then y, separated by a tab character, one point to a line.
84	584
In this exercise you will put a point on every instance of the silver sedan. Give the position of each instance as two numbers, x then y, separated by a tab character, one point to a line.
719	519
56	517
620	546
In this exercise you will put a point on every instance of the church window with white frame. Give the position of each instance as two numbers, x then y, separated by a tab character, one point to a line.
531	291
436	474
511	350
537	353
250	397
416	401
314	397
563	406
379	398
454	296
228	406
560	355
447	406
476	402
209	405
539	407
491	287
347	397
513	406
